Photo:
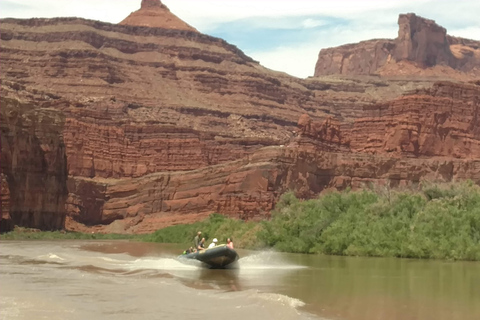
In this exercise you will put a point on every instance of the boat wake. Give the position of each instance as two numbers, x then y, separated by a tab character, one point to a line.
166	264
252	285
267	260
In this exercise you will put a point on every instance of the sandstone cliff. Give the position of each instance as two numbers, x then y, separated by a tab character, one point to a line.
422	47
127	128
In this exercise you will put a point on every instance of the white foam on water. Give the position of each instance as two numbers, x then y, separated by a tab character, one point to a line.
167	264
276	306
50	256
111	260
10	307
282	299
267	260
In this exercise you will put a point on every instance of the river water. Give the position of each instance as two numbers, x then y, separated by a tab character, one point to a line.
132	280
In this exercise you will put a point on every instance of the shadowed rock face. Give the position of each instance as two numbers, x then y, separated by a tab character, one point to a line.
33	166
421	43
123	128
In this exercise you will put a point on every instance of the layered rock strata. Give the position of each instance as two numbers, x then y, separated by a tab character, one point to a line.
422	47
443	120
323	156
247	188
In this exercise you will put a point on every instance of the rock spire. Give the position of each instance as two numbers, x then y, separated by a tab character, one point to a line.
154	14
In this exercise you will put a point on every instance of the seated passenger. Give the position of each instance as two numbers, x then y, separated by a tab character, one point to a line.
201	244
229	243
213	244
196	240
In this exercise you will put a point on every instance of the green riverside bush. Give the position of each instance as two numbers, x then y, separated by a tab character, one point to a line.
441	222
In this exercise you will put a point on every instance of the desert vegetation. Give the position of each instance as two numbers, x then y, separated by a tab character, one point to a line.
440	221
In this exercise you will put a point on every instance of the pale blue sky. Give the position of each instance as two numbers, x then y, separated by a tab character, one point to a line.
282	35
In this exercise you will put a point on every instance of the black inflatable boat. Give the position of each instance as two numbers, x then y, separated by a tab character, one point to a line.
217	257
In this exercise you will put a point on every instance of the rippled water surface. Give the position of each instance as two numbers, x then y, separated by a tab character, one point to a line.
130	280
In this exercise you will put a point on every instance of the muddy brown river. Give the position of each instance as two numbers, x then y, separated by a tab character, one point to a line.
132	280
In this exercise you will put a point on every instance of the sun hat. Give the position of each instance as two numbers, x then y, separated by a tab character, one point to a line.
215	240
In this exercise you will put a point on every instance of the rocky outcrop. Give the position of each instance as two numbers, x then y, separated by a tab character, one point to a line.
329	133
421	43
154	14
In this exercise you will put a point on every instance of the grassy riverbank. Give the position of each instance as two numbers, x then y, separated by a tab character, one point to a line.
33	234
440	222
244	234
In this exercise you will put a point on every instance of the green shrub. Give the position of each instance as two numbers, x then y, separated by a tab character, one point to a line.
441	221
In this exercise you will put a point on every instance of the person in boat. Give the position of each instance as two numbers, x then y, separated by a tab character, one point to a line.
213	244
201	244
196	240
230	243
189	250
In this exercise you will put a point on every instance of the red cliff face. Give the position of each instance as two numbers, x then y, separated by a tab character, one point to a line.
121	128
422	47
440	121
365	57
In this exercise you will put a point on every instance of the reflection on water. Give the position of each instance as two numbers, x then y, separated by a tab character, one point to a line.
262	284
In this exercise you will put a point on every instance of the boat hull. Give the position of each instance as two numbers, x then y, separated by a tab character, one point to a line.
217	257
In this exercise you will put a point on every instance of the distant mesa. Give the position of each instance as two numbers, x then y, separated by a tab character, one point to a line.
421	44
154	14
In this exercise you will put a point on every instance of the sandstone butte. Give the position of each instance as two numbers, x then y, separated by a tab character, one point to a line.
135	126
